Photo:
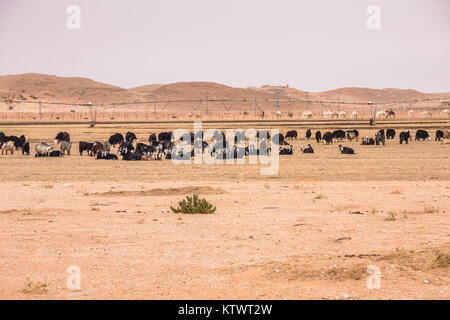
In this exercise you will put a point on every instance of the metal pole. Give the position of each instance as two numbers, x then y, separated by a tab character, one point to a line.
40	108
307	93
255	105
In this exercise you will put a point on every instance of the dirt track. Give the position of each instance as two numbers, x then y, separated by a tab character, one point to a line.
309	232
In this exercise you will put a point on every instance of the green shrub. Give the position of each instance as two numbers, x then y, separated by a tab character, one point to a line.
193	205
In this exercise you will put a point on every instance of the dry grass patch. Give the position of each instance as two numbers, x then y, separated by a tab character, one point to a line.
35	287
429	209
354	272
319	197
163	192
441	260
392	216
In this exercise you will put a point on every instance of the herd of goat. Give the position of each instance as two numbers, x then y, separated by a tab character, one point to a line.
162	146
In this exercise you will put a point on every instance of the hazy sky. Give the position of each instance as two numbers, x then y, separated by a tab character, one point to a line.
311	45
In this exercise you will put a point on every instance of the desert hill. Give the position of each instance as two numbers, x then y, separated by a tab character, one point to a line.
33	86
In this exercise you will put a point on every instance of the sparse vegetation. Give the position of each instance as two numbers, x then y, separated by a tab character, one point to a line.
429	209
354	272
396	192
35	287
194	204
441	260
319	197
392	216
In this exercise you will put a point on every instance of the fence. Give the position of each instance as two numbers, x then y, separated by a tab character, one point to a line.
226	109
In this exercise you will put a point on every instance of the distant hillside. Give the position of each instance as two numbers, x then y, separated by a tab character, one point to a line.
199	90
31	86
82	90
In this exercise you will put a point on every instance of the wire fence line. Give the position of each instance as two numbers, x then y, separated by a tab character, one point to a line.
204	108
369	103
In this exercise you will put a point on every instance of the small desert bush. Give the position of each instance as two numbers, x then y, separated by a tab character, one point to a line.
391	216
355	272
429	209
35	287
194	204
441	260
319	197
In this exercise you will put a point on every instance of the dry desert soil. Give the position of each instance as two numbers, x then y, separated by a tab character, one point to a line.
309	232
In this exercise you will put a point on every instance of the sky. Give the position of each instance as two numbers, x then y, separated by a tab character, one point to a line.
310	45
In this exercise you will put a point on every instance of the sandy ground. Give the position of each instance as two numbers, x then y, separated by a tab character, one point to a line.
309	232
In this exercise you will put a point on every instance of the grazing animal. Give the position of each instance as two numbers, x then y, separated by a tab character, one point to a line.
22	140
318	136
327	137
390	113
25	148
354	115
381	114
367	141
144	148
442	134
425	114
42	149
152	138
411	114
165	136
352	135
307	114
85	146
278	114
327	114
445	113
422	135
116	138
66	146
346	150
278	138
96	148
439	135
285	151
126	147
56	153
308	149
339	135
405	136
105	155
308	134
291	135
62	136
342	114
8	146
263	134
130	137
107	146
261	114
380	138
390	133
15	140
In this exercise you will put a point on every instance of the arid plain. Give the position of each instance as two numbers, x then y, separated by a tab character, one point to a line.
311	231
